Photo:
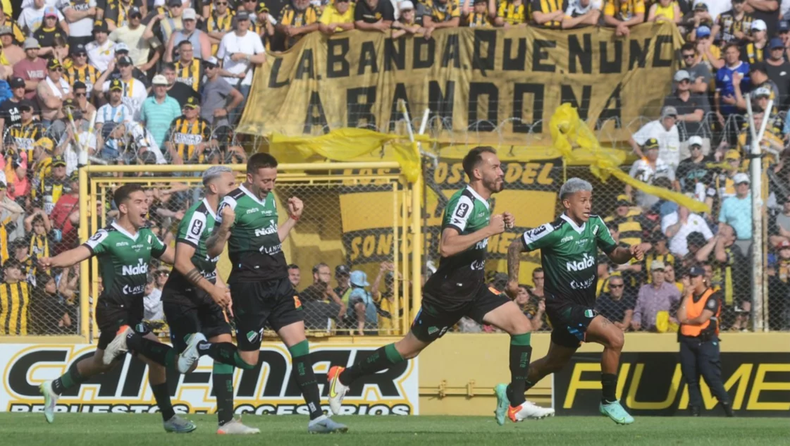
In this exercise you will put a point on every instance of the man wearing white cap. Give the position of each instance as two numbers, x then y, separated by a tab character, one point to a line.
665	132
217	97
159	110
693	174
737	211
201	45
765	10
691	108
754	51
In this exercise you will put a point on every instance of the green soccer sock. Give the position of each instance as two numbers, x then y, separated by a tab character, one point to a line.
72	378
381	359
161	354
303	369
520	353
222	378
224	352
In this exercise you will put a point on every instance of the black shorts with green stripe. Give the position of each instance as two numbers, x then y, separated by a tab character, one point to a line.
433	320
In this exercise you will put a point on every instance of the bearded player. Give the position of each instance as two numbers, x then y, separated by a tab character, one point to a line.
458	289
569	251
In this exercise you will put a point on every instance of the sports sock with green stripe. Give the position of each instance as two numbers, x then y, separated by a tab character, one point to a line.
222	378
303	369
381	359
520	352
71	378
224	352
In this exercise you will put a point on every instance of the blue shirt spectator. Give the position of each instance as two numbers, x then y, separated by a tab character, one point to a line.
737	211
725	76
159	110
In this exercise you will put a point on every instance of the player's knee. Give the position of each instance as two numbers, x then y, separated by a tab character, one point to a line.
616	340
521	325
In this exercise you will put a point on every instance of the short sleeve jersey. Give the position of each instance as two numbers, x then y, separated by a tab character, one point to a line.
124	260
459	277
194	229
569	256
254	246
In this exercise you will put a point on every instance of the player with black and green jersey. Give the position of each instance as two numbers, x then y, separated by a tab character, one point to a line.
569	251
124	249
194	299
248	222
458	289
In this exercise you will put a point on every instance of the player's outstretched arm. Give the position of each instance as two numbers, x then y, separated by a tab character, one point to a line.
66	259
453	242
621	255
513	262
183	264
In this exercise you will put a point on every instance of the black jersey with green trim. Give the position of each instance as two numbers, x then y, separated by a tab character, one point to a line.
460	276
569	256
123	261
194	230
254	246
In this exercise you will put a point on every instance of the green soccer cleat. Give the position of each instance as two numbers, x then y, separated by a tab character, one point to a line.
179	425
502	403
50	400
616	412
326	425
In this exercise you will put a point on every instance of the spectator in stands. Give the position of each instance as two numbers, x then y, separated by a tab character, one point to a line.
781	231
294	275
548	13
723	184
390	310
772	143
659	252
339	16
734	70
733	26
70	145
248	6
112	113
314	300
15	300
11	49
218	20
441	14
582	13
693	174
218	97
627	222
778	70
362	313
265	25
692	109
48	312
669	277
143	52
479	16
52	92
134	91
666	134
630	271
152	300
653	299
32	17
237	52
6	21
48	32
80	70
699	16
32	68
189	140
623	14
162	24
159	110
537	299
709	53
10	113
374	15
665	11
80	101
408	22
779	287
615	306
725	258
298	19
80	16
533	309
189	70
737	212
758	74
65	215
765	10
102	50
678	225
342	277
200	43
647	169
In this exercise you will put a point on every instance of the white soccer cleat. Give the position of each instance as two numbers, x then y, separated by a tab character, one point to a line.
528	411
236	427
50	400
118	345
190	355
337	390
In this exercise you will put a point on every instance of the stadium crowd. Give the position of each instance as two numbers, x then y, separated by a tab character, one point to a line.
167	80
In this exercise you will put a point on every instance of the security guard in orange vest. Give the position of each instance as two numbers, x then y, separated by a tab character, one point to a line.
699	341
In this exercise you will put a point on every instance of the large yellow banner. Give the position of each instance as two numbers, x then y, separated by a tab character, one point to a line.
497	84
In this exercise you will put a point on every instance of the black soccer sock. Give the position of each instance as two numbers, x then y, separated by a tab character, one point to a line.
222	379
71	378
224	352
609	386
381	359
161	354
520	353
162	396
303	368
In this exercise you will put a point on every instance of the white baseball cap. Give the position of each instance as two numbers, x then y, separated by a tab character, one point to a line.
759	25
741	178
695	141
189	14
405	5
762	91
159	80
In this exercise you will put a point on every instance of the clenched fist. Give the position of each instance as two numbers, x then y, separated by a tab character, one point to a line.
295	207
497	224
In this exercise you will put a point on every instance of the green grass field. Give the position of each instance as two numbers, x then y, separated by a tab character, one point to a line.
140	430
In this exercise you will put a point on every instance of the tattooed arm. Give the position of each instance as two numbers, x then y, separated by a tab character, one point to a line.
513	262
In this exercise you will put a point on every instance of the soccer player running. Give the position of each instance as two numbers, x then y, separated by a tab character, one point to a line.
458	289
260	289
569	248
124	248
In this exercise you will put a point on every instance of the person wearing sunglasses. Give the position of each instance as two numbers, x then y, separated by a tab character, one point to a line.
80	101
81	70
615	305
692	109
52	91
218	23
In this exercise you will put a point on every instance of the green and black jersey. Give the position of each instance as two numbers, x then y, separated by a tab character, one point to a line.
194	230
124	260
569	256
459	277
254	247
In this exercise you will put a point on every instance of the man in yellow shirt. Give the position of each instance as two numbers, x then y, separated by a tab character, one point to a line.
623	14
14	300
337	17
